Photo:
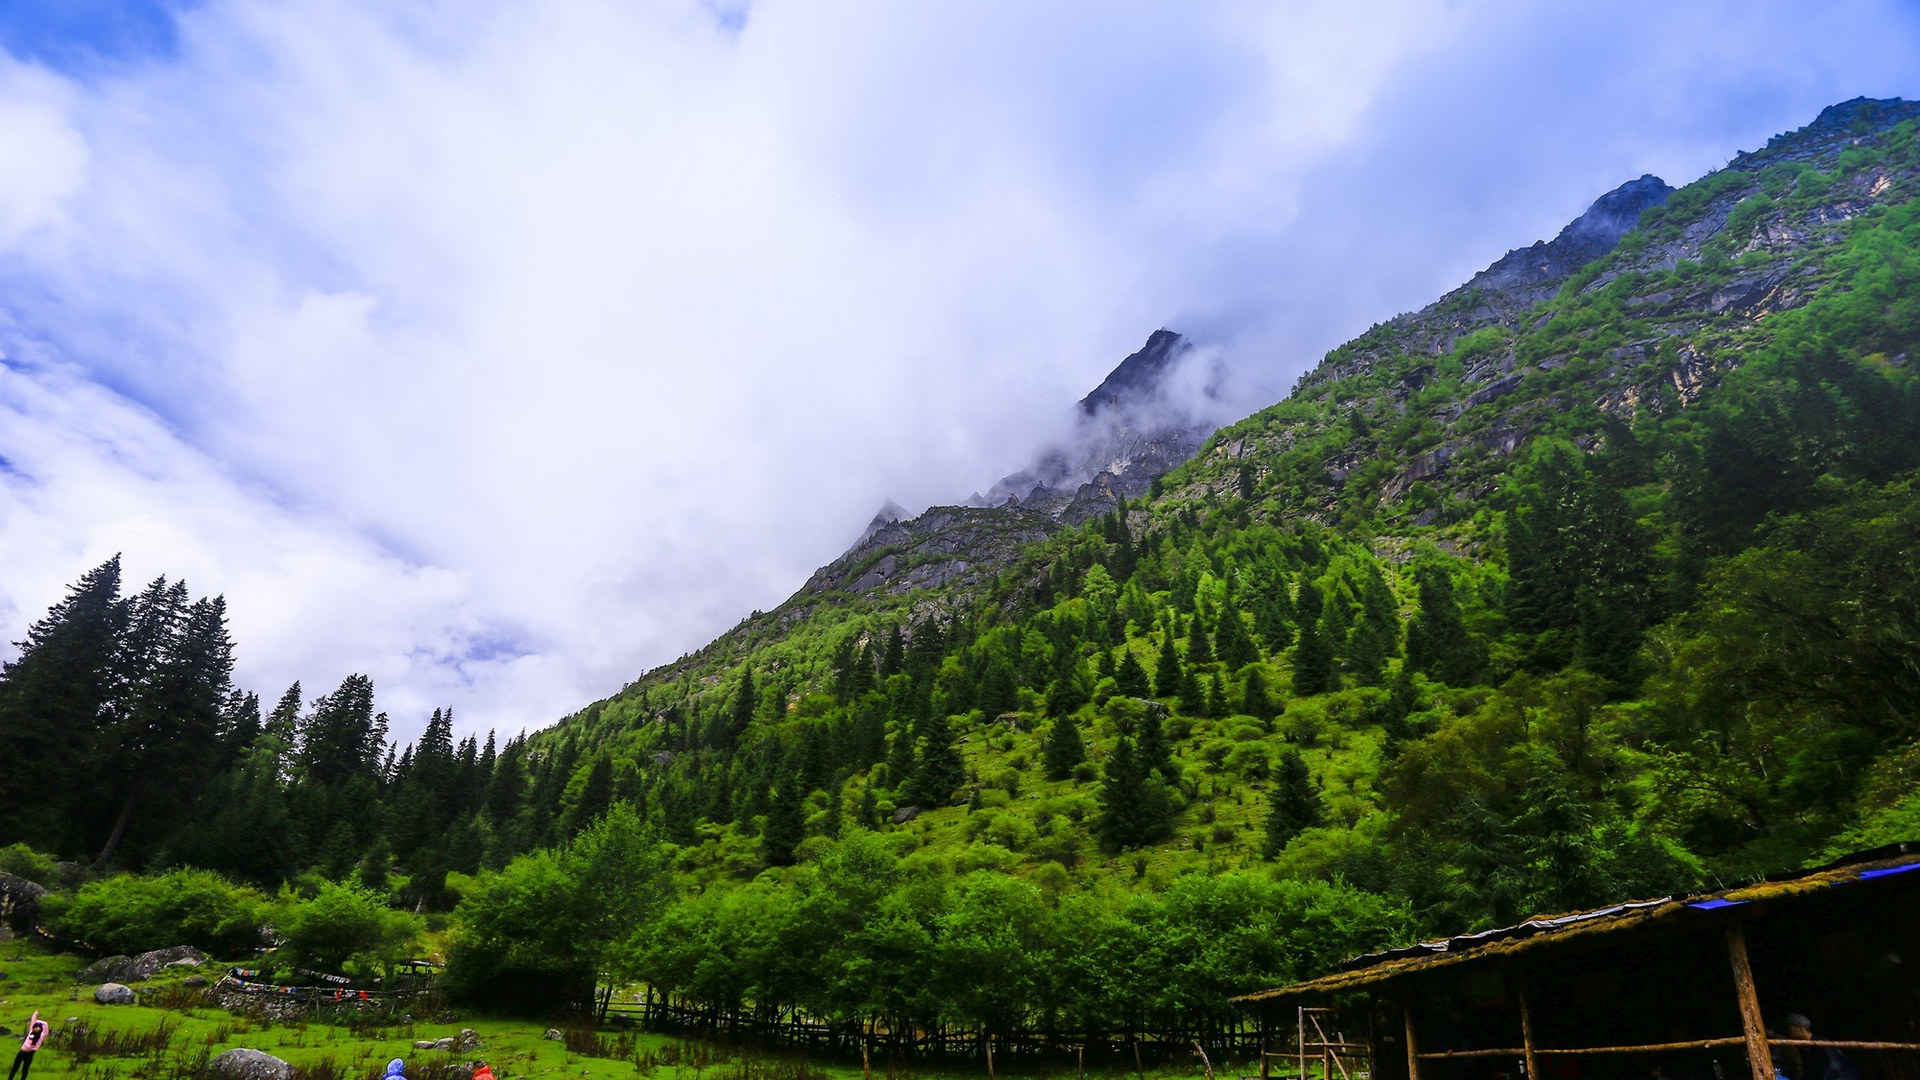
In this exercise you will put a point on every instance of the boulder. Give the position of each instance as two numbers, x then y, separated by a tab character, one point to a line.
433	1044
113	993
144	966
905	814
252	1065
467	1040
108	969
554	1034
149	964
194	981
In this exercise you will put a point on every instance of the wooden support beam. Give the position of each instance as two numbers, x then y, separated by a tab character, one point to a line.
1526	1035
1413	1045
1752	1021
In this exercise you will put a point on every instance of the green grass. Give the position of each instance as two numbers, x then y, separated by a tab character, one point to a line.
36	978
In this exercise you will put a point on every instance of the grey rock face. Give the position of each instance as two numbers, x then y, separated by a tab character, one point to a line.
113	993
144	966
108	969
242	1064
19	902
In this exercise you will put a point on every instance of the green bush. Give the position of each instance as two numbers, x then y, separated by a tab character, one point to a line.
22	861
131	913
342	923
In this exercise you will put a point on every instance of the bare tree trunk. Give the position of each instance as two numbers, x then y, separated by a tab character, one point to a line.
1202	1051
119	824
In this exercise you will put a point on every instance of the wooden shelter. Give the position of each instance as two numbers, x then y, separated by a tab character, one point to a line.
1675	988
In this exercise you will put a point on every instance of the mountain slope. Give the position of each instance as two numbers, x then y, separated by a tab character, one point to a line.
1538	497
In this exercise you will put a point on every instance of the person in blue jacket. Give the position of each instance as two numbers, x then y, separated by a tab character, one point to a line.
396	1070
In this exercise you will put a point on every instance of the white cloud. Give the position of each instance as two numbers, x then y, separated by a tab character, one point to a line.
503	351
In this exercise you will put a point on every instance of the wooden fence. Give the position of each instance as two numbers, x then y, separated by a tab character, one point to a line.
1230	1038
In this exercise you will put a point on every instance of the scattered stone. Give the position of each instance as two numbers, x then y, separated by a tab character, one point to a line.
144	966
554	1034
194	981
107	969
252	1065
467	1040
905	814
113	993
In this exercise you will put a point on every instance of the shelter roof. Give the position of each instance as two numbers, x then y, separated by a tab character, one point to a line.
1548	931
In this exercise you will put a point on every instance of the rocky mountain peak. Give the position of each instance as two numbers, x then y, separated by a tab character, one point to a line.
1585	238
1140	376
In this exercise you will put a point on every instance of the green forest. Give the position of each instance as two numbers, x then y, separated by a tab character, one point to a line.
1654	627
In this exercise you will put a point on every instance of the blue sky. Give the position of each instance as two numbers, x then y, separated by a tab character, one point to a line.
84	37
502	351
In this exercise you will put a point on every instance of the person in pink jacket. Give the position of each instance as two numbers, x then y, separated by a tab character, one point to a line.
36	1034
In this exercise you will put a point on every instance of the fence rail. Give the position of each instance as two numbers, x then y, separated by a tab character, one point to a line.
854	1039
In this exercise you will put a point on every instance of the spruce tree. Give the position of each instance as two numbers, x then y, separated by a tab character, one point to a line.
940	770
1134	807
1155	755
901	757
1253	696
1293	803
746	701
1312	653
1231	642
1063	750
596	795
1193	700
1216	696
1198	651
999	690
1167	673
55	700
786	823
1437	640
1129	677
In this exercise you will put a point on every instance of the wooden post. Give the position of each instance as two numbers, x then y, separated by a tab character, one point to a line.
1413	1045
1759	1054
1526	1035
1302	1045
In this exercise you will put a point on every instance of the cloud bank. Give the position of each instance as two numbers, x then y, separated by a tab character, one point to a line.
502	351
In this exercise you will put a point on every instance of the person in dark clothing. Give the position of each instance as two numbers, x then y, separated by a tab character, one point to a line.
1818	1062
29	1046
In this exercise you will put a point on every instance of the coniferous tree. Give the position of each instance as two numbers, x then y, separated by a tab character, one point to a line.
1312	653
940	770
1231	642
786	823
1437	640
746	702
1134	807
1198	651
901	756
893	660
1292	805
1129	677
999	690
1167	673
55	702
1068	692
1155	755
596	795
1063	750
1253	696
1216	696
1193	699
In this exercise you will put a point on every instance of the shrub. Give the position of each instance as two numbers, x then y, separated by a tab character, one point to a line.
132	913
345	922
22	861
